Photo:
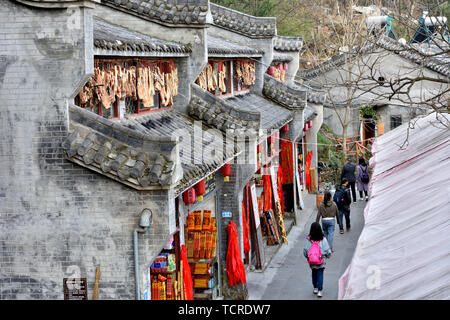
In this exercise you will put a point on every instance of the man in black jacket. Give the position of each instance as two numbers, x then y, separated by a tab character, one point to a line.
348	172
343	200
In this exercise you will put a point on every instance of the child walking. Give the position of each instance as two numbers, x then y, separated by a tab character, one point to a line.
315	250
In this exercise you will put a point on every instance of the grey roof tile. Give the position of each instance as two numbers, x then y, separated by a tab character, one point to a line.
288	96
254	27
273	116
172	12
118	39
224	47
220	113
440	65
281	43
195	164
91	149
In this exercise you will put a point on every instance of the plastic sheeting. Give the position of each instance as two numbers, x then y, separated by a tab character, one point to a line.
404	249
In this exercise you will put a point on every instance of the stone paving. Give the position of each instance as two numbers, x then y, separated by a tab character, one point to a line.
288	276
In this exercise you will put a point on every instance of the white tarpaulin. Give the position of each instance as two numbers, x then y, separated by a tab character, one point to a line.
404	249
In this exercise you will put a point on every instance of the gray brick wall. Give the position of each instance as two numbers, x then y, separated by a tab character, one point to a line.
56	217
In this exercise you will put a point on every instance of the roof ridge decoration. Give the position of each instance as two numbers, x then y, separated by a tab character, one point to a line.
239	22
122	154
220	114
282	43
289	97
118	39
173	12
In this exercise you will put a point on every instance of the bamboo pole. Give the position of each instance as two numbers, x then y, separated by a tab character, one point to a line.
97	279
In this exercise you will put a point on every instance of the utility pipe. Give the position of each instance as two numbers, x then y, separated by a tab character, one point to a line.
136	261
144	223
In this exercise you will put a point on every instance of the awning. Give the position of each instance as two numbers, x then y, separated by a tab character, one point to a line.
403	252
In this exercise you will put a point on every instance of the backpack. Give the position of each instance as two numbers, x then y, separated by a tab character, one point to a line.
339	198
315	254
365	175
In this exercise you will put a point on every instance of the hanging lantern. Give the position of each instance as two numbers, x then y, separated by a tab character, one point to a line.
200	189
285	66
271	71
286	127
226	172
305	127
310	124
189	196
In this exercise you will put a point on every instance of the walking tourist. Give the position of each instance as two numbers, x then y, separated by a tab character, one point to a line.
362	178
328	211
343	200
315	250
348	172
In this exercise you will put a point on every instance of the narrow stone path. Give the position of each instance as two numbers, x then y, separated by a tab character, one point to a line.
288	276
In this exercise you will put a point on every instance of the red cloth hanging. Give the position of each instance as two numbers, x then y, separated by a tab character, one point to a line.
235	266
267	192
286	165
245	229
307	173
187	278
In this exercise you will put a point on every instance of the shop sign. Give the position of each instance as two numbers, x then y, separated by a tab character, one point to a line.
210	184
75	289
227	214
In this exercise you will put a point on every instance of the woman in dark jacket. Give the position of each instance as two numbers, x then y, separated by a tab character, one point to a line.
328	211
316	234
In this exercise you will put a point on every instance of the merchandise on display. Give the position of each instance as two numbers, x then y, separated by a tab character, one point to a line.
201	239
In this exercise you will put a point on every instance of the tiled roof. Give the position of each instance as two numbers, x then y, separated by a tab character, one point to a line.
289	97
437	63
222	47
219	113
113	39
172	12
406	51
120	153
273	116
250	26
201	152
287	43
309	114
281	57
319	96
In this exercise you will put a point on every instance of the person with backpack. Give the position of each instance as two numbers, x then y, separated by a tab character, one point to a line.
343	200
348	172
363	178
328	211
316	249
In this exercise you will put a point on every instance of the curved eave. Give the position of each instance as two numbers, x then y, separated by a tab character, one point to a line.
132	53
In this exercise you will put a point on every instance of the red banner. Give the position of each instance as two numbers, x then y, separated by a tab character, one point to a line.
286	162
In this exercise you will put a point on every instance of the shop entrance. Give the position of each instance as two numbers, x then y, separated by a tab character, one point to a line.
368	129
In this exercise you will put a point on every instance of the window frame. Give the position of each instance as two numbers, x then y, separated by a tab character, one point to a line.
395	119
131	62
